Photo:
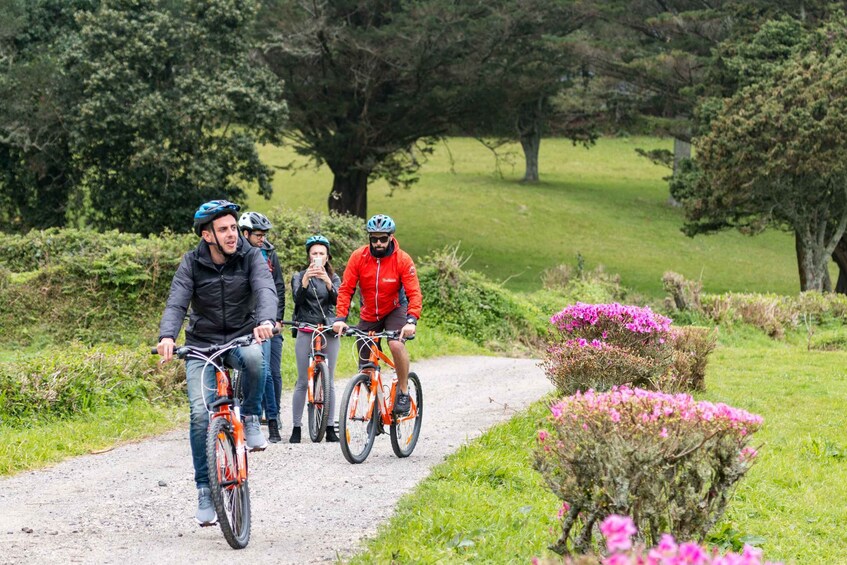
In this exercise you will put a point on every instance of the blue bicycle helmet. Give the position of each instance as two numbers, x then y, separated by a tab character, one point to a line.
381	224
213	209
317	240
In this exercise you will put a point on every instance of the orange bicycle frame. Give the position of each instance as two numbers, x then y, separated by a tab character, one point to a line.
224	389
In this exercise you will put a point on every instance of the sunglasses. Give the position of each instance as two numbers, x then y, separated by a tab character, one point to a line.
380	239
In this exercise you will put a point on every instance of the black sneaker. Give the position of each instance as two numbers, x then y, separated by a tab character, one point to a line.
402	404
273	431
331	436
295	435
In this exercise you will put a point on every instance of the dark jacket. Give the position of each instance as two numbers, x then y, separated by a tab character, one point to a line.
269	252
226	302
314	303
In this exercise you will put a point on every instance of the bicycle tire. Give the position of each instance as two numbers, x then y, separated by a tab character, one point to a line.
319	410
357	428
232	501
406	430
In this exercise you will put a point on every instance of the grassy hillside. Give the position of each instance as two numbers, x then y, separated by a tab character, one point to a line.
606	203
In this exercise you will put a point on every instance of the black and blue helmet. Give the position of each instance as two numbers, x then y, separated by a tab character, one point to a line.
213	209
381	224
318	240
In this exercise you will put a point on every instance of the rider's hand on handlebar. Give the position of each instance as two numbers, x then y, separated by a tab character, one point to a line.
263	331
408	331
339	328
166	349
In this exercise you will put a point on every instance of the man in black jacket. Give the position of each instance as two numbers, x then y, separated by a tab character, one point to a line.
231	293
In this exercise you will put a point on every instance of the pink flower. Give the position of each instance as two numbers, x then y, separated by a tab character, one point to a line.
564	510
692	553
618	530
663	433
542	435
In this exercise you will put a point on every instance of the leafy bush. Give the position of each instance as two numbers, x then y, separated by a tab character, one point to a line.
598	346
465	303
293	227
691	348
666	460
80	379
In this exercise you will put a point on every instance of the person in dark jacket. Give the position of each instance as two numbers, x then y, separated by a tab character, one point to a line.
255	227
315	290
227	284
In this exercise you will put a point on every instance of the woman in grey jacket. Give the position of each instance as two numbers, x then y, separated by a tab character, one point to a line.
315	290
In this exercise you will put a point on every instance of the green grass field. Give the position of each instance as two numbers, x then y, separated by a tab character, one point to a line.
606	203
487	495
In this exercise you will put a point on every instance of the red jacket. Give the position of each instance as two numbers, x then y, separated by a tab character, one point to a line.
379	283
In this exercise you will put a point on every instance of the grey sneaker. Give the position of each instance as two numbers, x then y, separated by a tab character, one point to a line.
206	515
253	434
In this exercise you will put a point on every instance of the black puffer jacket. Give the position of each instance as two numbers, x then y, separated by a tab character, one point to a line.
314	303
226	300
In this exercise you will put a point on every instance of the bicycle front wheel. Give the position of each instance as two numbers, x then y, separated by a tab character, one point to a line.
231	497
319	409
357	426
406	429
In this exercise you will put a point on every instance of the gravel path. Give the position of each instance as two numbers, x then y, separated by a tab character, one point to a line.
137	501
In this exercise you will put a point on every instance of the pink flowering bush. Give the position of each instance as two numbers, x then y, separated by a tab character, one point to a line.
597	346
666	460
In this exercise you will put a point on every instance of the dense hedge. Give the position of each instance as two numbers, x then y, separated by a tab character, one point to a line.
82	379
61	285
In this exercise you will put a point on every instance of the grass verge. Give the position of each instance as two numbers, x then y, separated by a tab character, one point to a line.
23	449
486	503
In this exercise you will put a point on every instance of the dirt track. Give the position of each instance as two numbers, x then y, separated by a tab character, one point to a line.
137	501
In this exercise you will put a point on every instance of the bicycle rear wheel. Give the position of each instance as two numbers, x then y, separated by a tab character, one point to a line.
406	429
319	409
231	498
357	426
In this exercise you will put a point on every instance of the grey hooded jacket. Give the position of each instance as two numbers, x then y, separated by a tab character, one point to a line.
226	300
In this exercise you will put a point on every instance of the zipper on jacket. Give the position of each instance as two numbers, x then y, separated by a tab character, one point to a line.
376	293
223	303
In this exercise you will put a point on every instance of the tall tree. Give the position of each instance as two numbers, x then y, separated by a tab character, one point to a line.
37	94
776	155
171	112
368	79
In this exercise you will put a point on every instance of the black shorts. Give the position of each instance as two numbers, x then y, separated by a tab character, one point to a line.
394	322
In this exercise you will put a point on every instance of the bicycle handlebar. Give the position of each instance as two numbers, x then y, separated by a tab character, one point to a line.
356	332
184	350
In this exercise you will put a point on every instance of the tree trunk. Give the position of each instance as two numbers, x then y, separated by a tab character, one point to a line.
840	258
681	150
530	125
349	193
801	261
531	143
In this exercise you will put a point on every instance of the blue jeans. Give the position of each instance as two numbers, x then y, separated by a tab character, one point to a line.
272	353
202	391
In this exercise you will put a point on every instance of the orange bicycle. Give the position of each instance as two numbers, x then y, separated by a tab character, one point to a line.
367	405
318	384
226	449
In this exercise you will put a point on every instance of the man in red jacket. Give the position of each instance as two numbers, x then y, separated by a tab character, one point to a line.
384	273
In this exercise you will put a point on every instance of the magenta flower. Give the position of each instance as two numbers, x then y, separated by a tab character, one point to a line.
618	530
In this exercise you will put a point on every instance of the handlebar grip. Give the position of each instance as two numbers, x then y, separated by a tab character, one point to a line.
154	351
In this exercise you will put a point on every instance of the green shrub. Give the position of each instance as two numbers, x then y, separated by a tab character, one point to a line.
293	227
465	303
81	379
666	460
691	348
